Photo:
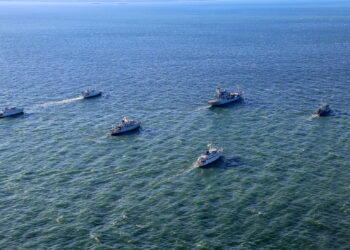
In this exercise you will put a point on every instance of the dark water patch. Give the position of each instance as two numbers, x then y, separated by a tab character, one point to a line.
337	112
230	162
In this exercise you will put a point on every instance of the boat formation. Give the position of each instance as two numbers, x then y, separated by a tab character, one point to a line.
222	97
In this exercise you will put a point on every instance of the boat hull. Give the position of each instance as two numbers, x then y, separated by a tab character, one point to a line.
218	103
92	95
207	163
125	130
324	112
11	115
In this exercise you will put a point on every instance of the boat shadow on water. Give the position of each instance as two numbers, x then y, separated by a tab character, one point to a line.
336	112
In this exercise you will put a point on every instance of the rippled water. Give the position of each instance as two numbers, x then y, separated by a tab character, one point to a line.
283	181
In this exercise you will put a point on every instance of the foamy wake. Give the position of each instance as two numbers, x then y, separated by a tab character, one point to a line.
59	102
181	173
202	107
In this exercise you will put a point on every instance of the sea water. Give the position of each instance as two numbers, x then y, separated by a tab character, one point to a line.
283	182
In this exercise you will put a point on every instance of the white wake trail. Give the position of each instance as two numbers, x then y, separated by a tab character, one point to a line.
202	107
47	104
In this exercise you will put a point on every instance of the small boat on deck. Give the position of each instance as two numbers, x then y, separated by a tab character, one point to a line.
11	111
222	97
210	156
324	110
90	93
126	126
